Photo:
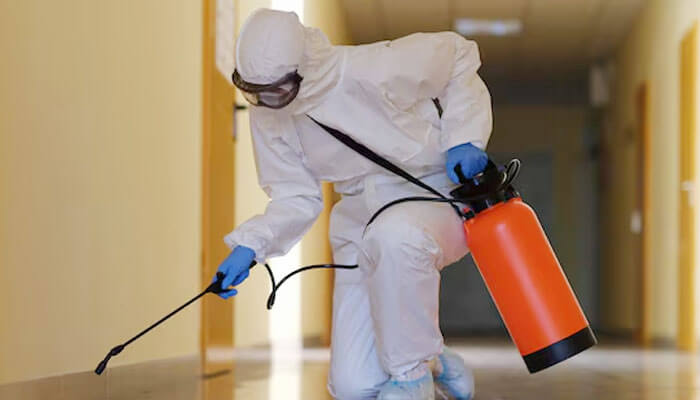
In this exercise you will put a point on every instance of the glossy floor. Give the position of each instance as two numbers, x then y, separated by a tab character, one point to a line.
607	372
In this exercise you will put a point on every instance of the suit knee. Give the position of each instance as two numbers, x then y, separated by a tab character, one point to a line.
393	239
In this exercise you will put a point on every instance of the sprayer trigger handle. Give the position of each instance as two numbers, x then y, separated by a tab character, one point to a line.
215	287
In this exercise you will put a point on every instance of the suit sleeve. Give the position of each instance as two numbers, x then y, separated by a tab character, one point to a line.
466	101
295	194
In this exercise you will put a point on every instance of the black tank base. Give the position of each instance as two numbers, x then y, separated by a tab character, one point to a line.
560	351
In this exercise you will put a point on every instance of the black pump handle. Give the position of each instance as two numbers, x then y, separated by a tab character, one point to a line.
460	174
463	179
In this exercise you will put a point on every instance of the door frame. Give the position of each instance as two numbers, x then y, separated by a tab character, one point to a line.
216	320
687	330
643	199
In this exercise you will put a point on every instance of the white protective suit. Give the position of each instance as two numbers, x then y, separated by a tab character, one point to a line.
385	314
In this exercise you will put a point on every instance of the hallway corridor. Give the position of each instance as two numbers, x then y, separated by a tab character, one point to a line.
134	168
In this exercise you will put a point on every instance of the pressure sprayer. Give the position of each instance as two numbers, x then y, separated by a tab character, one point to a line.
510	249
521	272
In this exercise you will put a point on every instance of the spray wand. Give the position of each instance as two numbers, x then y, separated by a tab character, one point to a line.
215	287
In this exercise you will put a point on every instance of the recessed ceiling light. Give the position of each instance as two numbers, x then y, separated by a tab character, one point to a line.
490	27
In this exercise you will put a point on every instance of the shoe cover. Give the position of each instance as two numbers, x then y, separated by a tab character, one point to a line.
421	388
454	377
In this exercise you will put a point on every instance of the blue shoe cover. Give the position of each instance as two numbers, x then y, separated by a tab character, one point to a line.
421	388
455	378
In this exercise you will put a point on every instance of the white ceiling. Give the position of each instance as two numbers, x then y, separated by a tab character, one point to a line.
559	36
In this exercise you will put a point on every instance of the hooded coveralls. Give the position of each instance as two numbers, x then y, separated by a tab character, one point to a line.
385	313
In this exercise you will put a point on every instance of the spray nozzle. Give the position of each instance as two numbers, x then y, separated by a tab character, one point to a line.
103	364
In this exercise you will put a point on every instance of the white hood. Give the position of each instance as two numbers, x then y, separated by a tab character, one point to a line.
274	43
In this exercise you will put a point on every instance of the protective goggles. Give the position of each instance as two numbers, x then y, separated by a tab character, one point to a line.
273	95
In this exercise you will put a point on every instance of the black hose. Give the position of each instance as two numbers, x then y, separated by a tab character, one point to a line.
273	292
512	170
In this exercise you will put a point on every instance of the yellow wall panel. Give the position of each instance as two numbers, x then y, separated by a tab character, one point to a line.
100	164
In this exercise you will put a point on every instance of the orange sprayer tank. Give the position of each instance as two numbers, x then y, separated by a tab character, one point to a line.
522	273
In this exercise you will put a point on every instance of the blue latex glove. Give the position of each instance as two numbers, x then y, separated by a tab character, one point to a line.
235	269
470	158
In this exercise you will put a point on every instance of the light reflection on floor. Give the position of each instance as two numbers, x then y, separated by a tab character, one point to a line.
285	335
608	372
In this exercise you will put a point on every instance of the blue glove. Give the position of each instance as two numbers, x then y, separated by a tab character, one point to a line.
235	269
470	158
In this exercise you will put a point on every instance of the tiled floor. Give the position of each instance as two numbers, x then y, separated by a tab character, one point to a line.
607	372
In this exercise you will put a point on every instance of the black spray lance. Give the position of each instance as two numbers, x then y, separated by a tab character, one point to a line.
214	287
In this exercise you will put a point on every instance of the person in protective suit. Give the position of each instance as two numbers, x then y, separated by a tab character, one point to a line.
418	102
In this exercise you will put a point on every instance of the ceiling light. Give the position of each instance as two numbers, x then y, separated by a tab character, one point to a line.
490	27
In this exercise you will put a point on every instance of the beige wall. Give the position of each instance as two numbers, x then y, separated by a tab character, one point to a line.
329	16
100	125
250	317
650	53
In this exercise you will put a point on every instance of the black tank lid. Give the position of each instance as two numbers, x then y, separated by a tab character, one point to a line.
485	189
